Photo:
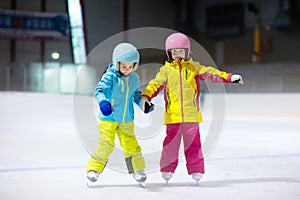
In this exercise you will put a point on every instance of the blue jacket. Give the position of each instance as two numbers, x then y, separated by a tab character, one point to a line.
121	92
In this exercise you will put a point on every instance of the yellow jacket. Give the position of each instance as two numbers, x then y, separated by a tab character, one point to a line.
181	81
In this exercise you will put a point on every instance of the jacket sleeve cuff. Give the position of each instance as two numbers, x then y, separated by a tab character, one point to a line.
145	96
229	77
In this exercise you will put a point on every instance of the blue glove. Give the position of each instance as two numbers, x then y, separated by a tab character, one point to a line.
145	105
105	107
149	108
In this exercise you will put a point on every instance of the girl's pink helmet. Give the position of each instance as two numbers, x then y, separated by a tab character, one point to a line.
178	41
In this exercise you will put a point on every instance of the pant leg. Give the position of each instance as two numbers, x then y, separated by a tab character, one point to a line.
132	150
106	145
170	151
192	148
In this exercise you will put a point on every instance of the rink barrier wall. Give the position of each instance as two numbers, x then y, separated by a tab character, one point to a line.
67	78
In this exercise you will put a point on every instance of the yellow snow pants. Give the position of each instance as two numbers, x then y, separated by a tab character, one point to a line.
106	144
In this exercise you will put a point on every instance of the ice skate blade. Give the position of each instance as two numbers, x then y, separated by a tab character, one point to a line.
142	184
90	184
167	180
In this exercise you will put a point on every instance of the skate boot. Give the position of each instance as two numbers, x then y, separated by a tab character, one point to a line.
167	176
197	176
140	177
92	177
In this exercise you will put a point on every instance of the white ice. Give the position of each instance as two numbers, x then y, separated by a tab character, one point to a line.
257	157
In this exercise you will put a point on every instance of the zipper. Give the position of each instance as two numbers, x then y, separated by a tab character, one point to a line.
122	83
126	100
181	96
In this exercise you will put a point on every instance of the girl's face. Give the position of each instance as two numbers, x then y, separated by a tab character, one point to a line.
126	67
178	54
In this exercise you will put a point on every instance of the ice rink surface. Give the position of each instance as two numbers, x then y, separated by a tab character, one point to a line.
257	157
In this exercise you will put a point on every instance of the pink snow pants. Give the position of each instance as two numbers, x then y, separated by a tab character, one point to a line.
192	148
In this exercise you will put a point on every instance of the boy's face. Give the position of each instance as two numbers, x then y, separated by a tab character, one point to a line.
178	54
126	67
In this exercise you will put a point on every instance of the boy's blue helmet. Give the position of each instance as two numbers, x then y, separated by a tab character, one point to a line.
125	52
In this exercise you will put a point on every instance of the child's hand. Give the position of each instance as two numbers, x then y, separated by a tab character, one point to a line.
235	78
149	107
105	107
145	105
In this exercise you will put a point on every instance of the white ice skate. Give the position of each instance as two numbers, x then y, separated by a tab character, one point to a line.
197	177
92	177
140	177
167	176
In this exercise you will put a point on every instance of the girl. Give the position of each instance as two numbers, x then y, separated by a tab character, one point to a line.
180	78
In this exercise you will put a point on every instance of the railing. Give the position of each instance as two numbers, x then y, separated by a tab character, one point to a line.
48	77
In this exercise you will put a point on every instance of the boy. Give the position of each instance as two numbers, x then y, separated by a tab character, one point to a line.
115	93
